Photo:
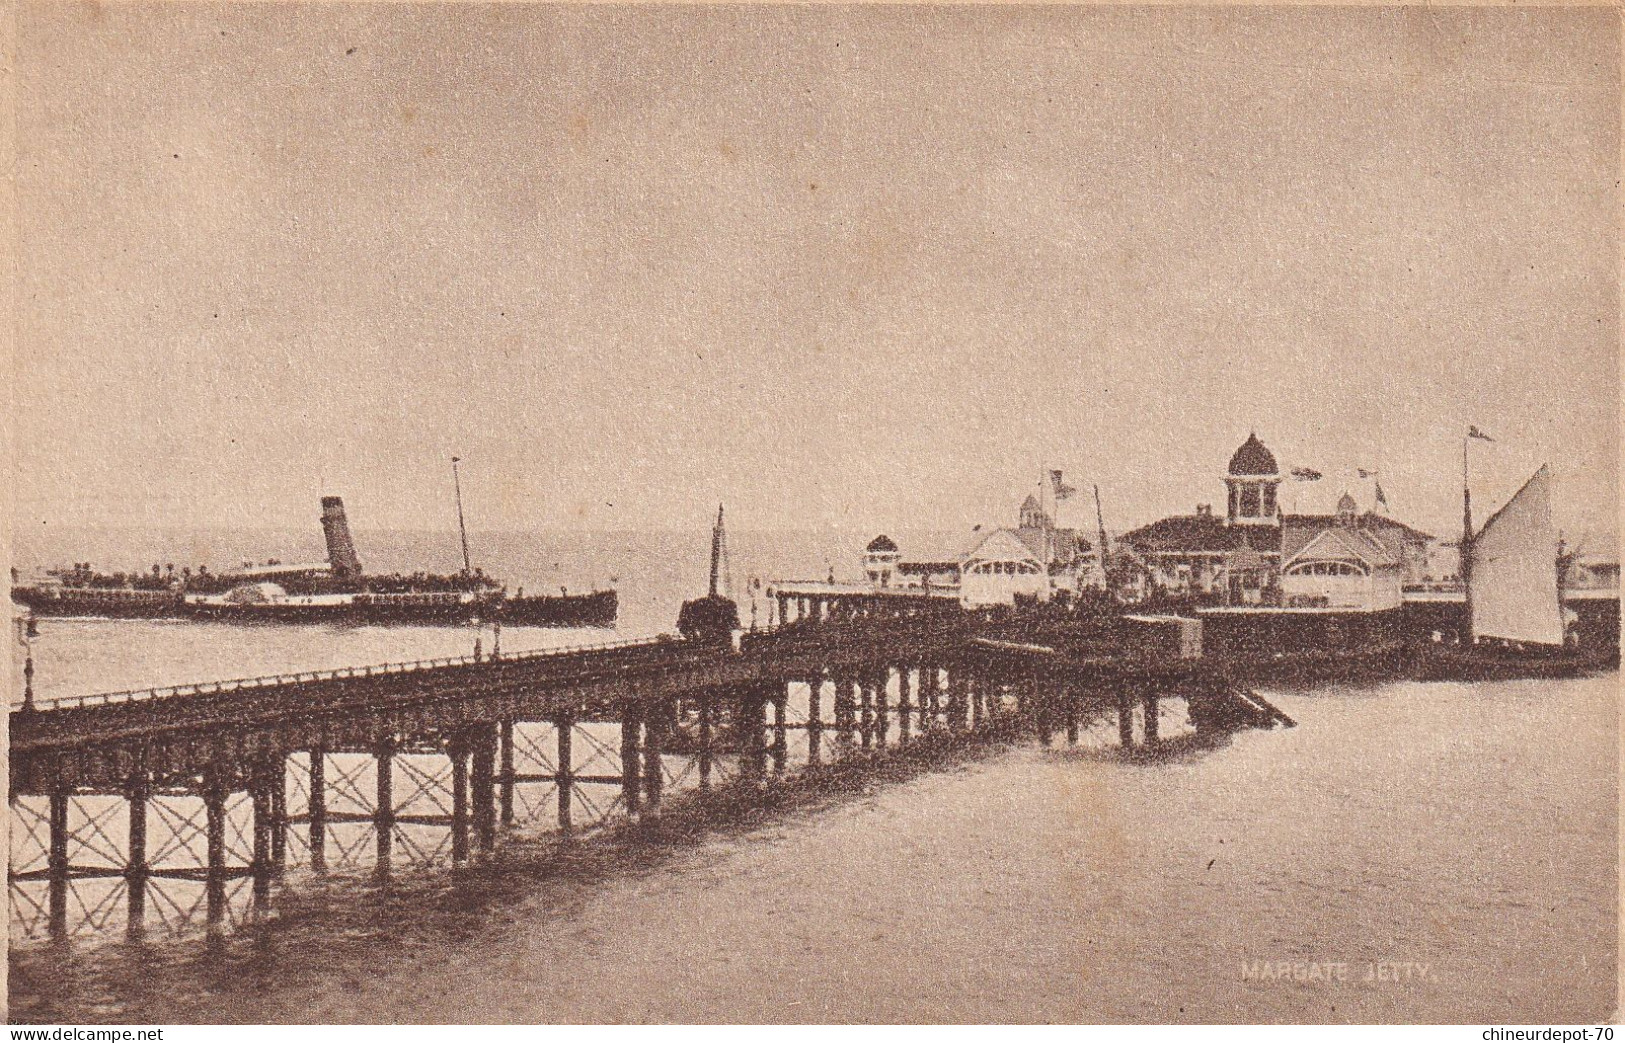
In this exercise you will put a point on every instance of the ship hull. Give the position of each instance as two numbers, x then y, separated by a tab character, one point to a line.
1453	663
339	614
575	610
598	609
89	604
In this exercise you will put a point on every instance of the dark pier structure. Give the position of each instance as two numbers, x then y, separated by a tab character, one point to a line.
253	776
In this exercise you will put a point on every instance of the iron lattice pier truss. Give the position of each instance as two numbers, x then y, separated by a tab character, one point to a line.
169	803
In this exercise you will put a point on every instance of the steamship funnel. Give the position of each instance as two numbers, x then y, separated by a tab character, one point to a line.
340	548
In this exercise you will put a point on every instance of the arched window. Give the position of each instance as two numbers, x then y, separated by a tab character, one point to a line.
1326	568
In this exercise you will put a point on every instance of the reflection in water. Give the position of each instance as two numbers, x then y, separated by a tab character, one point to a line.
1471	828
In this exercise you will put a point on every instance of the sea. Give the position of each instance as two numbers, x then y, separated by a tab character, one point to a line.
1409	852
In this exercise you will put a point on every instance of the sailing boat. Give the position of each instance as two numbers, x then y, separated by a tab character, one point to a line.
1514	623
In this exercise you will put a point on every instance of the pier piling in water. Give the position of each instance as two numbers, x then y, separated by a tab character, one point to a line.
383	809
668	699
317	809
505	771
563	772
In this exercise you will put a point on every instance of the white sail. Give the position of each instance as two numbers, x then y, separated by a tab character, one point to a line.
1514	574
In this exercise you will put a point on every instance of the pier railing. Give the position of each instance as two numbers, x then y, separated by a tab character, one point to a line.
137	695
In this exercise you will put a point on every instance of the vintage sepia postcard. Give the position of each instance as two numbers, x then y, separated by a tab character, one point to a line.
533	513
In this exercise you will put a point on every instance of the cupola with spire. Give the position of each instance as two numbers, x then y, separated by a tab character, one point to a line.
880	560
1252	480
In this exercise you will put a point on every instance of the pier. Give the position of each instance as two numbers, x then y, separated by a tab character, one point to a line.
251	777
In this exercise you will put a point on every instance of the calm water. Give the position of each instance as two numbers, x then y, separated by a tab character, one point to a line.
1472	829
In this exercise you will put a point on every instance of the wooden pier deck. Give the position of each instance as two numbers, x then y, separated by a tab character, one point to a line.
192	753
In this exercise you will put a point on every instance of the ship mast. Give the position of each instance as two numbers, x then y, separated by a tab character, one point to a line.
1466	637
462	529
716	553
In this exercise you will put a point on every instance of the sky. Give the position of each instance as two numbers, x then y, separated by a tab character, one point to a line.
859	267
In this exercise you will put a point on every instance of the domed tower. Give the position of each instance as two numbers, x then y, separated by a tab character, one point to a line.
1033	515
1252	481
880	560
1347	510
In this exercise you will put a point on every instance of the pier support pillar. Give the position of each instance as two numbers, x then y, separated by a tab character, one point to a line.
214	815
631	772
844	710
259	795
958	698
1125	720
482	778
564	774
882	687
815	720
1069	704
278	781
781	736
654	772
457	749
57	861
1151	722
505	771
866	702
318	809
707	712
135	863
758	700
905	706
383	808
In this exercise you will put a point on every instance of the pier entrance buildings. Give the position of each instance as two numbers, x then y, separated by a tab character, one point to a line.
1257	554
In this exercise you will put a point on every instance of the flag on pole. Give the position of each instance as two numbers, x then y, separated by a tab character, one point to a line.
1380	497
1474	432
1061	490
1305	474
1366	474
